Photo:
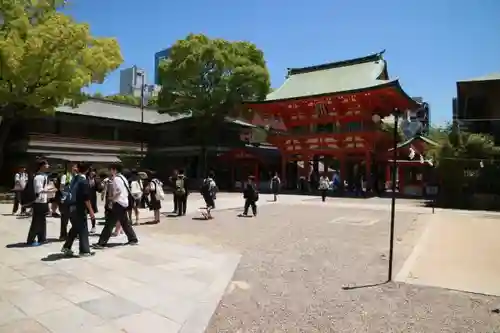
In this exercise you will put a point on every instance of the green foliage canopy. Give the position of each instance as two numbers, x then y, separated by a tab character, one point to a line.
46	58
210	78
127	99
466	163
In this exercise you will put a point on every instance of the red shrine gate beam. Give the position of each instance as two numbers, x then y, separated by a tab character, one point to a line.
328	112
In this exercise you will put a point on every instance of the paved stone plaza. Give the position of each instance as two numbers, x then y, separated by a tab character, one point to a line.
160	284
282	271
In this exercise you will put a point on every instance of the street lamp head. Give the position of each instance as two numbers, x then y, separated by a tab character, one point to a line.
376	118
397	112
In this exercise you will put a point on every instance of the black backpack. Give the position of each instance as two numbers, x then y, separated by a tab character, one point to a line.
28	196
205	187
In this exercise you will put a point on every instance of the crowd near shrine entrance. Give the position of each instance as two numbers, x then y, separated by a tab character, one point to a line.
329	120
232	168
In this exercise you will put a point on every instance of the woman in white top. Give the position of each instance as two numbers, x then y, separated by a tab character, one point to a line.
137	190
324	183
20	180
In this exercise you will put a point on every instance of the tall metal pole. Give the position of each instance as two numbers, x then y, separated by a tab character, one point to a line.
393	199
142	116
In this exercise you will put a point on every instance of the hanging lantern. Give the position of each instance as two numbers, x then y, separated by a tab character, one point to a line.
412	153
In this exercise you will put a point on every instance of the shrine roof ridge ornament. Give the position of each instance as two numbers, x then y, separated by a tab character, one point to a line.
342	63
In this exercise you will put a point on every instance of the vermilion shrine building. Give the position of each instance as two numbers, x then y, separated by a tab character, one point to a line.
326	113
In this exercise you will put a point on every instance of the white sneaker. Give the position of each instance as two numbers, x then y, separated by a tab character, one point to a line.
93	231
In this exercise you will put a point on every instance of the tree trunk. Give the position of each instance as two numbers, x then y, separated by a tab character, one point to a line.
7	123
203	161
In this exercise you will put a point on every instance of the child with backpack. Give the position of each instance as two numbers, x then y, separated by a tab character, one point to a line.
275	186
155	190
137	190
181	193
208	191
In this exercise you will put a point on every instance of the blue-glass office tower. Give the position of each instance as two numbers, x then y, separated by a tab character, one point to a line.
158	57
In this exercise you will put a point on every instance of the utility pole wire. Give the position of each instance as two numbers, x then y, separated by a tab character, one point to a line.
475	119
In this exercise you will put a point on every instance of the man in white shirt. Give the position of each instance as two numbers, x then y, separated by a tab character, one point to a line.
38	228
20	180
122	199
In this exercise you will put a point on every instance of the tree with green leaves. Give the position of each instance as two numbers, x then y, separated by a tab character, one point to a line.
466	163
210	79
46	58
126	99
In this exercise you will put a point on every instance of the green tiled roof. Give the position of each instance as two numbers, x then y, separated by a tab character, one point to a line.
349	75
112	110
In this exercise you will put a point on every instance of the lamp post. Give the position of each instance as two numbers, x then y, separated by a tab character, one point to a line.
141	74
396	113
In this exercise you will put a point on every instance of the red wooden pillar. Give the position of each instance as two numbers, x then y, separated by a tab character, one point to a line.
256	171
307	166
388	173
283	168
342	170
401	171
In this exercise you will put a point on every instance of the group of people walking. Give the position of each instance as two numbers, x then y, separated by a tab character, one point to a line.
76	191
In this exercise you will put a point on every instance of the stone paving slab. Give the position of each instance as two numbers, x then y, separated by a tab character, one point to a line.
456	252
161	285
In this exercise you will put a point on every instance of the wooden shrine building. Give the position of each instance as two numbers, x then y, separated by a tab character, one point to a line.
332	113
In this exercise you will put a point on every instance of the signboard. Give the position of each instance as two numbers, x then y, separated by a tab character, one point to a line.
432	190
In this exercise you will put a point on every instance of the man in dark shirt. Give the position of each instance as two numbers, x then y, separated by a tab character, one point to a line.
181	192
79	205
172	180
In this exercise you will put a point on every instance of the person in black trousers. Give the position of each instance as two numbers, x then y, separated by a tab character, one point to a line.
181	192
324	184
38	227
20	180
64	188
94	185
251	196
173	179
79	205
122	200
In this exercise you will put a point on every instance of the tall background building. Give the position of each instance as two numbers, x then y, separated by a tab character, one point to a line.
131	81
158	57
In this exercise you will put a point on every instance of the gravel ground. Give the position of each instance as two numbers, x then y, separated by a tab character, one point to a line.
296	260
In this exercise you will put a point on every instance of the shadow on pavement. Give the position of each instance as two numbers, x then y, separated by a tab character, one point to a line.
21	245
363	286
57	256
149	223
196	218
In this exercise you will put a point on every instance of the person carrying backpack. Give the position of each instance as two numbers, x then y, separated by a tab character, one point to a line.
137	190
251	196
275	186
181	193
208	191
156	195
64	188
